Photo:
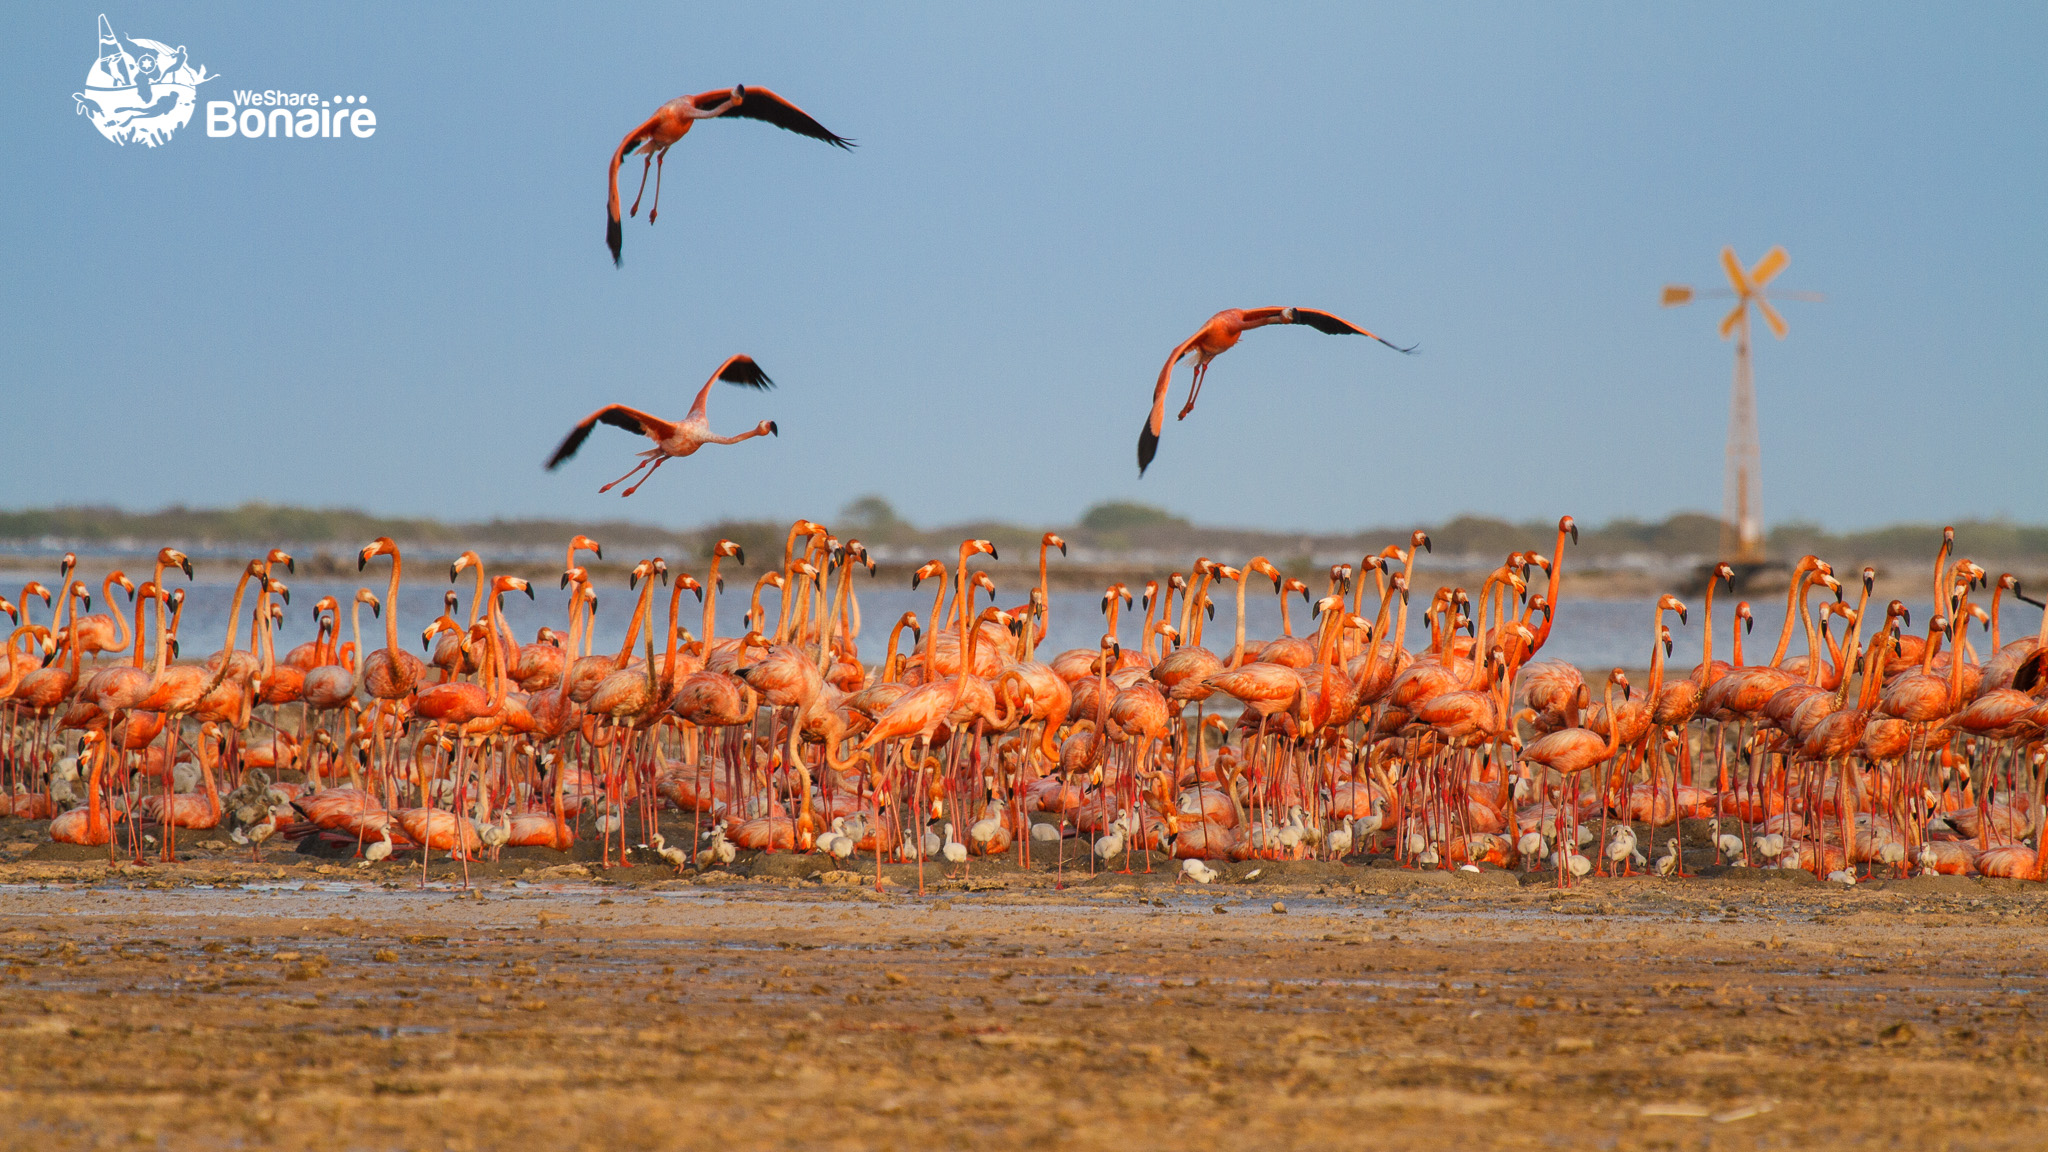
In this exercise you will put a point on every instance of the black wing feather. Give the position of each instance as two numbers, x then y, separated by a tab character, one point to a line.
616	417
763	105
743	370
1338	326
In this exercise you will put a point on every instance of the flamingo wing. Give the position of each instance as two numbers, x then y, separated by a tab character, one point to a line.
618	416
736	370
1328	322
1155	421
614	235
764	105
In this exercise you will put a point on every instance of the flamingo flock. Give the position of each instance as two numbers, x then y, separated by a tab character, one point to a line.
1880	750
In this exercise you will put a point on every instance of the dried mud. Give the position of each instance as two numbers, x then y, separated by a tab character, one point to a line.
221	1002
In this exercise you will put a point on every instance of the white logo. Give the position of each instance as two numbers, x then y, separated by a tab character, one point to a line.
139	90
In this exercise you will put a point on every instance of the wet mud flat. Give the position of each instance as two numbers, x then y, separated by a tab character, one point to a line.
221	1002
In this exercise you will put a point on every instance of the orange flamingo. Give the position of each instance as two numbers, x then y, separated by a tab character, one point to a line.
1219	335
672	121
671	439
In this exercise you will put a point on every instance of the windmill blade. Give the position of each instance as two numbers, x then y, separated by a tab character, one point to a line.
1733	318
1734	269
1676	294
1773	263
1771	317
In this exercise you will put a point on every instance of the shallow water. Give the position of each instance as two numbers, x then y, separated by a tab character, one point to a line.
1588	633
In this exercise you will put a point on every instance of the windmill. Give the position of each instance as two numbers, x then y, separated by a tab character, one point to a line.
1742	497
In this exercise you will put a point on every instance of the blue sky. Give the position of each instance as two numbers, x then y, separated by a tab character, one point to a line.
966	313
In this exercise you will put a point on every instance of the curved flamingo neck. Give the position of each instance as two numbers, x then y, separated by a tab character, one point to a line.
1237	649
1792	600
640	610
390	609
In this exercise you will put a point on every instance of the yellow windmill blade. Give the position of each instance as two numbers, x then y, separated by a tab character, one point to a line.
1771	317
1729	321
1676	294
1734	269
1773	263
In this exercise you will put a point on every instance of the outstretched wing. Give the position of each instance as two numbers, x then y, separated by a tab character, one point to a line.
614	236
764	105
736	370
1333	324
618	416
1155	421
743	370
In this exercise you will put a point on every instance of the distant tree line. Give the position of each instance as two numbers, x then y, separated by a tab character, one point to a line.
1112	527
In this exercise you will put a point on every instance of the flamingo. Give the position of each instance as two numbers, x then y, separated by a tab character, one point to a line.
671	439
672	121
1219	335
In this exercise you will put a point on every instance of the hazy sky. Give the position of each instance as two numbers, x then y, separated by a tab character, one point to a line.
966	314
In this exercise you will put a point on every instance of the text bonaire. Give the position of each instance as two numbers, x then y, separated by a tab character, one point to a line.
272	113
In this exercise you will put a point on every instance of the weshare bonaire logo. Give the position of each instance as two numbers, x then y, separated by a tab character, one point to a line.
143	90
139	90
272	113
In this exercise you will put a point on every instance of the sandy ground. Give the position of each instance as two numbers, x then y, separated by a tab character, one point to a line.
225	1003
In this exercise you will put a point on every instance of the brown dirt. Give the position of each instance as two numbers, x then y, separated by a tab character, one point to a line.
221	1001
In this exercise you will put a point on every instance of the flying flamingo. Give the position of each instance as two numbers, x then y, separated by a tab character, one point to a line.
672	121
1218	336
671	439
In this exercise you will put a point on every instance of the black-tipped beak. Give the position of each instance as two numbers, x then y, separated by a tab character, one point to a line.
721	583
1316	613
453	572
774	431
992	554
565	580
1627	693
287	595
1575	533
1305	596
739	554
376	609
1210	607
88	602
664	578
1749	625
700	594
529	591
916	636
174	647
362	562
1681	617
632	581
291	566
1063	547
1667	647
187	566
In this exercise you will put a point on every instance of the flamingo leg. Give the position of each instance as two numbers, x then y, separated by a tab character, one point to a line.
647	458
660	158
1201	370
658	462
646	158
